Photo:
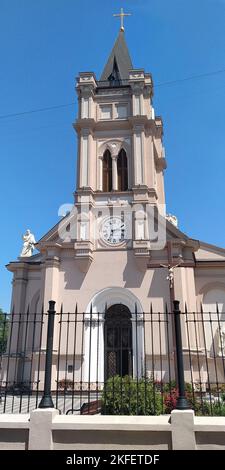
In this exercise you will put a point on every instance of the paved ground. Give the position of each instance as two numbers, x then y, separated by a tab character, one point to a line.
26	403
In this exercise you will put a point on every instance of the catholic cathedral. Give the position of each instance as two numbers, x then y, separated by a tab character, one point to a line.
116	251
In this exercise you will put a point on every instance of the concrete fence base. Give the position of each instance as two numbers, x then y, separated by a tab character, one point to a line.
45	429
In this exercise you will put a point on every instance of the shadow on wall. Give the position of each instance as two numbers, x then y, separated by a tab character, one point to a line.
159	286
73	277
132	277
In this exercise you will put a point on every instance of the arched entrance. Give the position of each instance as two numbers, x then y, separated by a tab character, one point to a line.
118	341
121	303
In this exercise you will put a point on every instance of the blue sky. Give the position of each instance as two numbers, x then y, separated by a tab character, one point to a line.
45	44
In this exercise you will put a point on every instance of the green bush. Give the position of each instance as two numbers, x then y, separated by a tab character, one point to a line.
168	386
128	396
213	409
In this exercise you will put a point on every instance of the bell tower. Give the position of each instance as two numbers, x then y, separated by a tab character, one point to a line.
120	151
116	113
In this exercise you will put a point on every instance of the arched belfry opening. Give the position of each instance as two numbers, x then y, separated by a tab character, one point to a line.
122	171
118	341
114	77
107	171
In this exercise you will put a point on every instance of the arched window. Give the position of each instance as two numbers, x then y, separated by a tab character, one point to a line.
107	171
122	171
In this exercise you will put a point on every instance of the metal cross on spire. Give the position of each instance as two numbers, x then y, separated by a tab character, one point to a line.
122	14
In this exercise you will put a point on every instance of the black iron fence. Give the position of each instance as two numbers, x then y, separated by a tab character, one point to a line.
113	362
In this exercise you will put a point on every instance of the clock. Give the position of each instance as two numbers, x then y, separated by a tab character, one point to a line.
113	230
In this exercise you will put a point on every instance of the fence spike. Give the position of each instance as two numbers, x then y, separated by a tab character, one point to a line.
135	308
91	309
217	307
185	307
61	309
76	308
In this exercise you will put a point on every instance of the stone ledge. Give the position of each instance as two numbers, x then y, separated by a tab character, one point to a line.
209	423
112	423
14	421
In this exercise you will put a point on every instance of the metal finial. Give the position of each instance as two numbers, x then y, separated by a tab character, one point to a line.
121	15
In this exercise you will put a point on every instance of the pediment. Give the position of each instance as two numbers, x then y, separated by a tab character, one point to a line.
175	234
208	252
53	235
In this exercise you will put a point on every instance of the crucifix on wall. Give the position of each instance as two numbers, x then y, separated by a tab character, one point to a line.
170	276
171	267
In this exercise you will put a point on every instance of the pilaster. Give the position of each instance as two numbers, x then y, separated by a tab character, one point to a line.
86	85
51	278
84	152
138	156
19	288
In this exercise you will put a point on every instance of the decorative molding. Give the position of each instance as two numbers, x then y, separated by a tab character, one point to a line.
83	254
53	262
87	124
114	146
141	253
113	295
203	264
211	286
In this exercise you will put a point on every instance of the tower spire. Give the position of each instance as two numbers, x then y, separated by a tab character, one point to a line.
121	15
119	61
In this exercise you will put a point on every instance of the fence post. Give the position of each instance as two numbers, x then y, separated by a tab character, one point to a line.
46	401
182	403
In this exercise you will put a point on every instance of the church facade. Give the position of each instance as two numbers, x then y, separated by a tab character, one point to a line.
116	252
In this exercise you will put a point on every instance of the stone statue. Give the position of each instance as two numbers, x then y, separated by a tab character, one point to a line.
28	245
172	219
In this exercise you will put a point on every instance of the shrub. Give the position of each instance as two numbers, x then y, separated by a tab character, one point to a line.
222	388
170	400
171	396
128	396
4	331
200	406
170	390
169	386
211	409
218	409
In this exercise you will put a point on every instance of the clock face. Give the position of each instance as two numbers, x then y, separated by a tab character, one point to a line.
113	230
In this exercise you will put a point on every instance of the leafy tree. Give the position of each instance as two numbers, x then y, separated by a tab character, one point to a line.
4	331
